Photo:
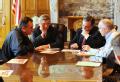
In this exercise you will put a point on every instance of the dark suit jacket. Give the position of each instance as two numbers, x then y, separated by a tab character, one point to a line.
54	37
110	62
95	40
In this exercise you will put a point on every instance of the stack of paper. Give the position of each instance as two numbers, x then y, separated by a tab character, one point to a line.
53	49
49	52
86	54
70	50
88	63
6	73
18	61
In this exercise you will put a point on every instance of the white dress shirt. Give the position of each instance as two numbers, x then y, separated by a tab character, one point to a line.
105	50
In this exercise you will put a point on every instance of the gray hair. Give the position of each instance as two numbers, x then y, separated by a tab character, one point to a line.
107	22
44	17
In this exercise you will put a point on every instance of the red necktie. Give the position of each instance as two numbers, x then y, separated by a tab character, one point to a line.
83	42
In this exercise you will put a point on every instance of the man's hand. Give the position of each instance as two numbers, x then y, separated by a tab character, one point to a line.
74	46
85	59
43	47
82	53
86	47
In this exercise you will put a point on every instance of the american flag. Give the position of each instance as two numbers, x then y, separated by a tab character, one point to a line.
16	9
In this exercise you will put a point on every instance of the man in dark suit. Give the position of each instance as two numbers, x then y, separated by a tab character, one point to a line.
45	36
87	35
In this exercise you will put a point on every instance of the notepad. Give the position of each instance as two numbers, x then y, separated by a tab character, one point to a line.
17	61
53	49
86	54
6	73
70	50
88	63
49	52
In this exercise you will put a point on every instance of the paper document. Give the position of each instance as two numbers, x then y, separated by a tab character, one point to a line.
64	69
6	73
86	54
49	52
53	49
70	50
90	54
18	61
87	63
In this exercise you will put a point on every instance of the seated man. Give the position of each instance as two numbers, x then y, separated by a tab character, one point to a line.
46	36
106	28
88	35
116	48
113	60
17	41
111	67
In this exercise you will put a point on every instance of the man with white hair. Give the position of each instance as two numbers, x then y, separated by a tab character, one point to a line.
106	29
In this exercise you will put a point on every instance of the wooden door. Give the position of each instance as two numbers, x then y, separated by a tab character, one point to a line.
4	20
34	7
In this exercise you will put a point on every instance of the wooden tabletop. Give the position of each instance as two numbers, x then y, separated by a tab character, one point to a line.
60	68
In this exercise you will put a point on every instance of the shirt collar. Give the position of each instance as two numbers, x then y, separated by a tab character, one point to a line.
109	33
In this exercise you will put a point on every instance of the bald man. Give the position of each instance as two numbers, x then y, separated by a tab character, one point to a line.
106	28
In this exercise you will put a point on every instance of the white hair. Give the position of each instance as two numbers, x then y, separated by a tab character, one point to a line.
107	22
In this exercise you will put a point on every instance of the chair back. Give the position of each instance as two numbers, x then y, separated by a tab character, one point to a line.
62	28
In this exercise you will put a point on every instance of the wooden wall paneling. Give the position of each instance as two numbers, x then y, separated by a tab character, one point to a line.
29	7
34	7
1	6
4	15
43	7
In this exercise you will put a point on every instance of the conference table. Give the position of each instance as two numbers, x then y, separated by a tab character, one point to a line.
61	68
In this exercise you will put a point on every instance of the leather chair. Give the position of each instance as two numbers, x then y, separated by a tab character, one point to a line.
62	28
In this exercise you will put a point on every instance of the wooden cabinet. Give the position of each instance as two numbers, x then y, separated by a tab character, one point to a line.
74	22
34	7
